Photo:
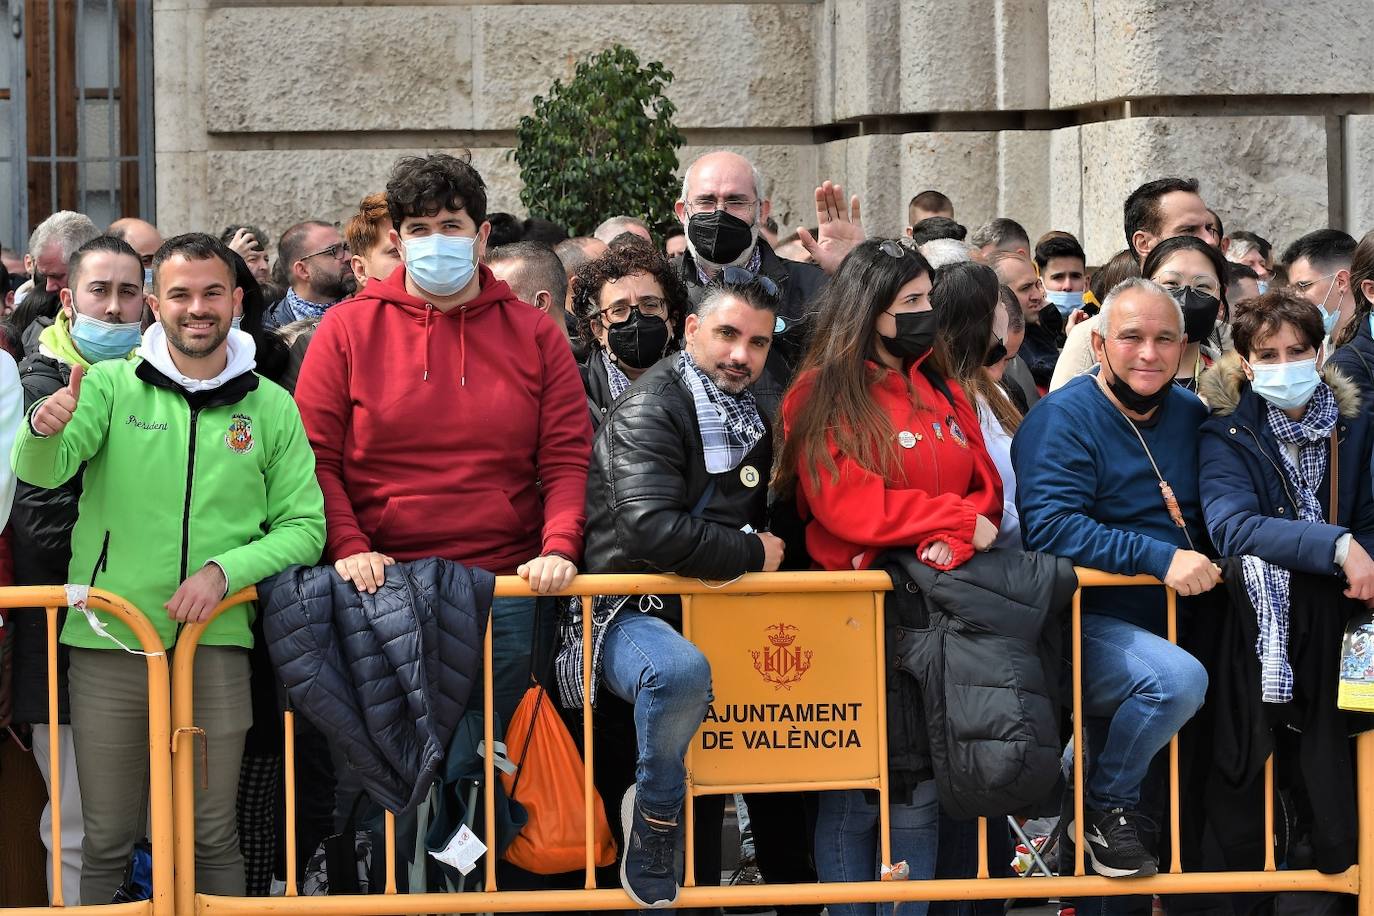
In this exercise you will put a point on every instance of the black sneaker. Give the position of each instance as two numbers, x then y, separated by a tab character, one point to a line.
648	869
1113	845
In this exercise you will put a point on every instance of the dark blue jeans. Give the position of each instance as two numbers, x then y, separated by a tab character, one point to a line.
847	843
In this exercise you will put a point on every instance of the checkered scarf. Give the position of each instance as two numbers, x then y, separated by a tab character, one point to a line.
730	424
1266	584
303	308
619	381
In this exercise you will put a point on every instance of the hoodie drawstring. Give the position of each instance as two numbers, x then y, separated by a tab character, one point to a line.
462	346
429	309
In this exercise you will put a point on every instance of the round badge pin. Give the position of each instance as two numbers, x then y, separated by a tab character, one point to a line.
906	439
779	326
749	476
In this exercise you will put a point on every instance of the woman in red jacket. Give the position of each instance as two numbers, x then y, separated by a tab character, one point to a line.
882	453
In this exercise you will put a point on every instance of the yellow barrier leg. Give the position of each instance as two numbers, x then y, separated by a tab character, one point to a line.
1269	863
1365	788
588	773
1175	837
184	773
1078	774
54	761
489	758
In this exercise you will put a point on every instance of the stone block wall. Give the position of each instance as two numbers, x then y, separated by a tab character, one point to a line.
1048	111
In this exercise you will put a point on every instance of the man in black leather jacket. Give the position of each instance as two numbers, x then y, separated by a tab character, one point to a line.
678	484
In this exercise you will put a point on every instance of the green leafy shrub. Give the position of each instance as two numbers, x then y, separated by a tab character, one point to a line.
602	145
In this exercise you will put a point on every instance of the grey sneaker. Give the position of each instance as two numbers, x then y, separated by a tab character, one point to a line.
648	869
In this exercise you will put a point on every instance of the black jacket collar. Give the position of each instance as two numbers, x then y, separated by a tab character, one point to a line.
231	392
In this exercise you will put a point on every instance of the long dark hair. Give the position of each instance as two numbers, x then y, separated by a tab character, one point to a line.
1361	269
272	352
840	406
966	297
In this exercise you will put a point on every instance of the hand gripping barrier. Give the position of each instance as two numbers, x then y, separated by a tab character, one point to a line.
51	598
772	628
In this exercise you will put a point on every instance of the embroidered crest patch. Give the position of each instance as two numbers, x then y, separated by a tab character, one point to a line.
240	436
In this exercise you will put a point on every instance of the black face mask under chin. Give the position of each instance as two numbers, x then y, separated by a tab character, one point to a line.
1131	399
639	341
915	334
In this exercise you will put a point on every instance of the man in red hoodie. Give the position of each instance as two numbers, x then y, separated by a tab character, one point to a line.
448	417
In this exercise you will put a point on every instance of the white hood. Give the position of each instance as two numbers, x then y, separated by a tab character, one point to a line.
242	358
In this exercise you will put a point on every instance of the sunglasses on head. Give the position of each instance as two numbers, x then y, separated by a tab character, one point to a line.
739	277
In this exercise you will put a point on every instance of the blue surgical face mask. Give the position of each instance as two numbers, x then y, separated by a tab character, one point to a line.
1263	286
1329	319
1065	301
236	322
440	264
1286	385
147	278
99	340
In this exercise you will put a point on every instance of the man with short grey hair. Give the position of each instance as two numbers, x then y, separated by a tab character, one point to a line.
1001	234
52	244
616	225
1107	476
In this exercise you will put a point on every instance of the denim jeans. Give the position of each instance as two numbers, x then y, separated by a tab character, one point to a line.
649	664
847	843
1145	687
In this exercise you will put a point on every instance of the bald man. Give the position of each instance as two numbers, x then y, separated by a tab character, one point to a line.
142	237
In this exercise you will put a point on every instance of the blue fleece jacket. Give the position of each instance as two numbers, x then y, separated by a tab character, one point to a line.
1086	490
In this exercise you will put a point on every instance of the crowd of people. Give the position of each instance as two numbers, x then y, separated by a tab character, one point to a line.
701	397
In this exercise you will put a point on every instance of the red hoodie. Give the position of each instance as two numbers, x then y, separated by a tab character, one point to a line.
460	434
948	479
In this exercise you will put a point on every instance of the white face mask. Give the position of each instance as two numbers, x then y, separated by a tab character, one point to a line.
1287	386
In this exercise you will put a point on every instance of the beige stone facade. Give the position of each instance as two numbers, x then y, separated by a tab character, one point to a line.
1048	111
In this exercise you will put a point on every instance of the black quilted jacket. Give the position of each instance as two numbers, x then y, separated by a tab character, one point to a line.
975	678
385	676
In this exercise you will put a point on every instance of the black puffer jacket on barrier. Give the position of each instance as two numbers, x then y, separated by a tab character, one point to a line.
385	676
983	643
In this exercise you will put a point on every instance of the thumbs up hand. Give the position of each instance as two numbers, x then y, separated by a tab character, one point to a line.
53	415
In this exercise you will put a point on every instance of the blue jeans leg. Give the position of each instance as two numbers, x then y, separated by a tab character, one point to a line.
847	842
648	663
1147	688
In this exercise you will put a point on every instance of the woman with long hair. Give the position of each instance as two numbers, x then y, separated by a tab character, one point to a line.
881	453
971	313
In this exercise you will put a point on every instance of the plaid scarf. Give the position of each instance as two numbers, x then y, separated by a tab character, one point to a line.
303	308
755	262
730	424
1266	584
618	380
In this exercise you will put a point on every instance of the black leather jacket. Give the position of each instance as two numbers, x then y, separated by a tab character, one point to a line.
648	476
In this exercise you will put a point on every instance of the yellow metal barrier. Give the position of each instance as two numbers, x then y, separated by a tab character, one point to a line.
808	591
51	598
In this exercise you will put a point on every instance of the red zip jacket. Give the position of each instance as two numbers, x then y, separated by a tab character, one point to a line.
949	479
460	434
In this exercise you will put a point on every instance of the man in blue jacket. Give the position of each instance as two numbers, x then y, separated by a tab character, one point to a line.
1107	476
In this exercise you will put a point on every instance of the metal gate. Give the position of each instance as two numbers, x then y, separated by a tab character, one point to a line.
76	107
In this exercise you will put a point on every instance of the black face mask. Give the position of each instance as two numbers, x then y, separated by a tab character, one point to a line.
915	334
719	237
1199	312
1131	399
996	353
639	341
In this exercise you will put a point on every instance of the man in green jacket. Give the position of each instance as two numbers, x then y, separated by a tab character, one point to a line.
199	481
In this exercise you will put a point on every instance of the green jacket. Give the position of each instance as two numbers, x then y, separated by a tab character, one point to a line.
176	480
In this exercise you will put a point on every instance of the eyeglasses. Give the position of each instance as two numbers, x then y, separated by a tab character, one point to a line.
733	204
337	251
651	308
1303	286
897	248
739	277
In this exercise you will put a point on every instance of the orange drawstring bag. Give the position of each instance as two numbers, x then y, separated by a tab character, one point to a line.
548	782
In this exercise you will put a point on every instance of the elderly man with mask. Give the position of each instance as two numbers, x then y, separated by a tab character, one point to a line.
1107	476
722	209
